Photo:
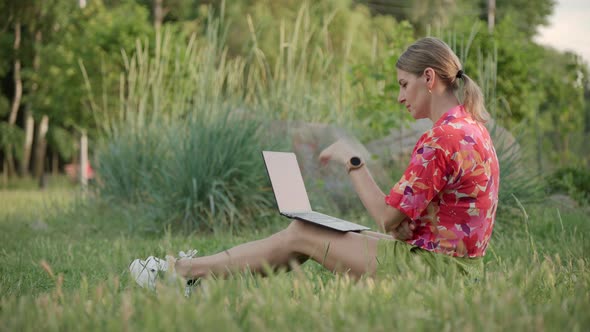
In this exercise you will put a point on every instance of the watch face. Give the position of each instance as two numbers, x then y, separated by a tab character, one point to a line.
355	161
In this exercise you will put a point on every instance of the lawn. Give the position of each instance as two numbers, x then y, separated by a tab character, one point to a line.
63	266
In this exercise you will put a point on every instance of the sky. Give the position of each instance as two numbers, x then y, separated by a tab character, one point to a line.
569	28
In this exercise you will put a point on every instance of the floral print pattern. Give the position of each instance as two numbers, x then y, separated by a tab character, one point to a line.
450	188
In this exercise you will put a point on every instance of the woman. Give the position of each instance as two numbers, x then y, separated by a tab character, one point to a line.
439	215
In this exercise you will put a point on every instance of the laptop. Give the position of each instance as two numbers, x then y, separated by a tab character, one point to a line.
291	196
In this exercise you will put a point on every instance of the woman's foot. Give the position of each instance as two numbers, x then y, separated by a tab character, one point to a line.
182	268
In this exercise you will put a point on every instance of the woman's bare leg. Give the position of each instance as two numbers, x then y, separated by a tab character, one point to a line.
350	252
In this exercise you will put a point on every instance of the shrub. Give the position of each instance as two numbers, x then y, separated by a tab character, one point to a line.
518	177
571	180
195	174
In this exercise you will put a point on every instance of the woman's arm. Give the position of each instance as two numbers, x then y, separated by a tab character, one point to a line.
387	217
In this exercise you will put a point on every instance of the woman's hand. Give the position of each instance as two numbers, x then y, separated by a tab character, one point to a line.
340	151
404	231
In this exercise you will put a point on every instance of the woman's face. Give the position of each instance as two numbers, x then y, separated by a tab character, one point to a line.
413	93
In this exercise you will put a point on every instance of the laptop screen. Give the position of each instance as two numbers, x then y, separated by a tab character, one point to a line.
287	182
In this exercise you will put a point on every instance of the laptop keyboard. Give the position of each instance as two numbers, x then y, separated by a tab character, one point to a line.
326	220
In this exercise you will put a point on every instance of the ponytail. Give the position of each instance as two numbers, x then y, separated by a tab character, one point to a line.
473	100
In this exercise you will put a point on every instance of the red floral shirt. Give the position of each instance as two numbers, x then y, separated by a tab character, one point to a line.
450	188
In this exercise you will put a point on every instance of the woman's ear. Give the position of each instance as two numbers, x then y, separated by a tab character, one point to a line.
429	75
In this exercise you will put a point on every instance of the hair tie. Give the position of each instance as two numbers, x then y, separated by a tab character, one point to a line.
459	74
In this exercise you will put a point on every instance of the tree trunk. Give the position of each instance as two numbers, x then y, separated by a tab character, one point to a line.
10	168
40	149
4	174
18	84
18	91
28	146
54	163
30	122
491	15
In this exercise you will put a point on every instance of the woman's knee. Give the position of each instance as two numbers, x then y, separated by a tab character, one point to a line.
299	232
295	230
304	236
295	238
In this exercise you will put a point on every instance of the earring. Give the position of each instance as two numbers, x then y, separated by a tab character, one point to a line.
429	91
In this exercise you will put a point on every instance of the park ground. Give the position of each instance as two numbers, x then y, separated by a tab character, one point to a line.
64	258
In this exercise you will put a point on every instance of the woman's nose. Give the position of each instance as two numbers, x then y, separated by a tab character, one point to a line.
400	98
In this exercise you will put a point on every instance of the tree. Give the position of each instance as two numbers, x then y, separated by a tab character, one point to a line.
16	14
55	37
564	105
526	15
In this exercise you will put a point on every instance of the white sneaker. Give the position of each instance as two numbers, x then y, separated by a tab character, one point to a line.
146	272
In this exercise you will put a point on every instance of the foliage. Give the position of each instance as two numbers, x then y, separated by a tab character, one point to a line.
55	37
520	181
574	181
378	88
335	26
62	141
106	32
424	15
307	66
9	135
563	107
440	15
530	85
528	15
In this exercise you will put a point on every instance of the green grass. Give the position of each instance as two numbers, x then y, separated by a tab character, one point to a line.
72	275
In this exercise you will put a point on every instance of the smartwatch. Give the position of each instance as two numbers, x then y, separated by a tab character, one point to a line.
354	163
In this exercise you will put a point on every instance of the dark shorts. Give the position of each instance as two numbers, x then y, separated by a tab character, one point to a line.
398	257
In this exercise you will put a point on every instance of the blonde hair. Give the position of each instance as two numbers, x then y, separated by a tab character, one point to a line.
434	53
